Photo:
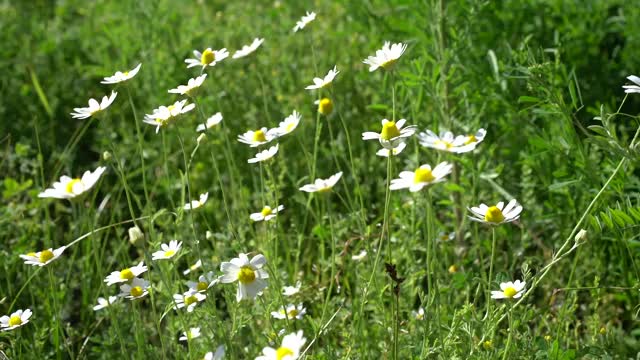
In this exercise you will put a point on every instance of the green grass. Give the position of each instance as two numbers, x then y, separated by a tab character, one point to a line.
543	77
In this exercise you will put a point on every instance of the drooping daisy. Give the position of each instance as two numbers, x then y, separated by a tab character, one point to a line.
418	315
291	312
207	58
289	124
360	256
194	204
204	282
168	251
248	49
630	89
68	188
498	214
193	333
395	151
138	288
509	290
266	214
94	107
189	300
16	320
103	303
289	350
43	257
219	354
386	57
258	137
291	290
392	133
191	88
325	106
164	115
212	121
126	275
319	83
321	185
446	142
121	76
264	155
423	176
309	17
193	267
249	274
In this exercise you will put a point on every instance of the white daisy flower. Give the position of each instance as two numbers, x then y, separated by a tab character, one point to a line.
207	58
138	288
509	290
16	320
289	124
121	76
321	185
291	312
395	151
126	275
43	257
249	274
325	106
386	57
418	315
189	300
194	204
304	21
630	89
164	115
212	121
392	134
94	107
168	251
266	214
445	236
191	88
68	188
423	176
219	354
193	267
319	83
289	350
447	142
204	282
248	49
360	256
264	155
258	137
475	139
496	215
191	334
103	303
291	290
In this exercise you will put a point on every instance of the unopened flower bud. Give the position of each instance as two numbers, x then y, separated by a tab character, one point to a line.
136	237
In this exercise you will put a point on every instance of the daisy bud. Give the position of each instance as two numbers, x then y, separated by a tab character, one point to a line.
201	137
581	236
136	237
106	156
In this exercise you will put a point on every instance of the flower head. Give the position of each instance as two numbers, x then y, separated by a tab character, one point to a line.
264	155
386	57
190	335
321	185
194	204
121	76
249	274
248	49
43	257
291	290
325	106
418	315
193	267
207	58
289	124
447	142
267	213
319	83
395	151
137	289
189	300
204	282
289	350
126	275
164	115
191	88
423	176
218	355
68	188
309	17
509	290
291	312
212	121
168	251
392	133
496	215
630	89
103	303
258	137
445	236
17	319
94	107
360	256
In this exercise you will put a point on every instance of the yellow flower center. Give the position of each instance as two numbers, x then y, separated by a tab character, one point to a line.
453	269
46	255
282	352
423	175
246	275
389	131
169	253
487	345
471	139
266	211
510	292
325	106
207	57
445	144
259	136
171	108
202	286
289	127
31	254
15	320
494	215
126	73
126	274
136	291
71	184
388	64
190	300
293	313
